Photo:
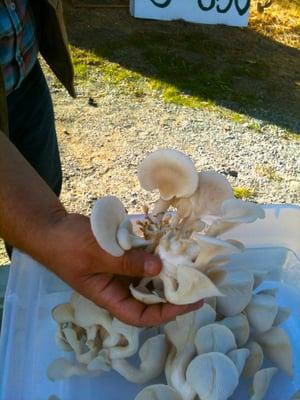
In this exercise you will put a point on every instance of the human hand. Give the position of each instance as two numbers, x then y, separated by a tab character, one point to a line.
76	257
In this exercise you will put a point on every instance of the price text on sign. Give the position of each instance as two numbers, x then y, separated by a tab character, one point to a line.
226	12
207	6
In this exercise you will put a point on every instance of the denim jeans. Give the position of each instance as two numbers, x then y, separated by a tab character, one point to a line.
32	128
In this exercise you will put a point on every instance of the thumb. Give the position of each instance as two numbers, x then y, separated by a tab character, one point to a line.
137	262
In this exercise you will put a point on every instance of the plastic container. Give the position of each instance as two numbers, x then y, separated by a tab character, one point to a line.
27	339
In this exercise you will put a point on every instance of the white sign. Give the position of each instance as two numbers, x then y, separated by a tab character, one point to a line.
227	12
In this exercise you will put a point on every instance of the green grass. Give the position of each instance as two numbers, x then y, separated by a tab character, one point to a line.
183	75
243	192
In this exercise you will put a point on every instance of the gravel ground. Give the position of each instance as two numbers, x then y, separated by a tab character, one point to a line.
101	147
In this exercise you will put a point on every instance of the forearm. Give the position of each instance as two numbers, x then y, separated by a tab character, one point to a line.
28	208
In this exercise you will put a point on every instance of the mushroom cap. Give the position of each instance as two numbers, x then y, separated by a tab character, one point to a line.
276	346
214	338
158	392
261	312
107	214
239	326
254	360
63	313
261	382
213	189
240	211
239	358
152	354
62	369
213	376
170	171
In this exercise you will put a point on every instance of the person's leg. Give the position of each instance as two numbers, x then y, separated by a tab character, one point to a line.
32	129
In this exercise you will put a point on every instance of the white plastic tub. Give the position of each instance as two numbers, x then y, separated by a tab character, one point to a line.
27	339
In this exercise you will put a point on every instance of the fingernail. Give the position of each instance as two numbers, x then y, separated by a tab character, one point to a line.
151	267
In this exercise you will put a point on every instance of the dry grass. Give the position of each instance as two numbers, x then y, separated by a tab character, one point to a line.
280	21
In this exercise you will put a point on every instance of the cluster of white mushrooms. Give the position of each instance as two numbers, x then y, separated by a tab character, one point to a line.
203	353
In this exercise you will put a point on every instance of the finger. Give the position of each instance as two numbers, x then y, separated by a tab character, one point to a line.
136	313
139	263
112	293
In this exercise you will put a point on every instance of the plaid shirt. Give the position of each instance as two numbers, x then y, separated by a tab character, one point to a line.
18	42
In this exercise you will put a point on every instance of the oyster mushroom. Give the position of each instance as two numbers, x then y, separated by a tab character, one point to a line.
213	376
283	314
170	171
107	214
62	369
180	281
127	239
63	313
152	354
158	392
237	288
239	326
254	360
209	248
261	382
181	334
261	312
276	346
235	212
87	314
213	188
131	336
214	338
239	358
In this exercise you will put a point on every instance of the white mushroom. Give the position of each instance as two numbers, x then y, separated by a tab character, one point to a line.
261	382
143	294
283	314
181	334
214	338
210	247
131	336
87	314
182	331
239	326
237	288
63	313
234	212
213	188
254	360
107	214
62	369
158	392
126	237
213	376
171	172
152	354
175	371
261	312
239	358
277	348
187	286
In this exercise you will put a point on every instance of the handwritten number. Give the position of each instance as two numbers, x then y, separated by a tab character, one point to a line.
242	10
206	8
224	10
161	5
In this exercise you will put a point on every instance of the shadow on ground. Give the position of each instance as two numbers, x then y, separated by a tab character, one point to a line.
236	68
